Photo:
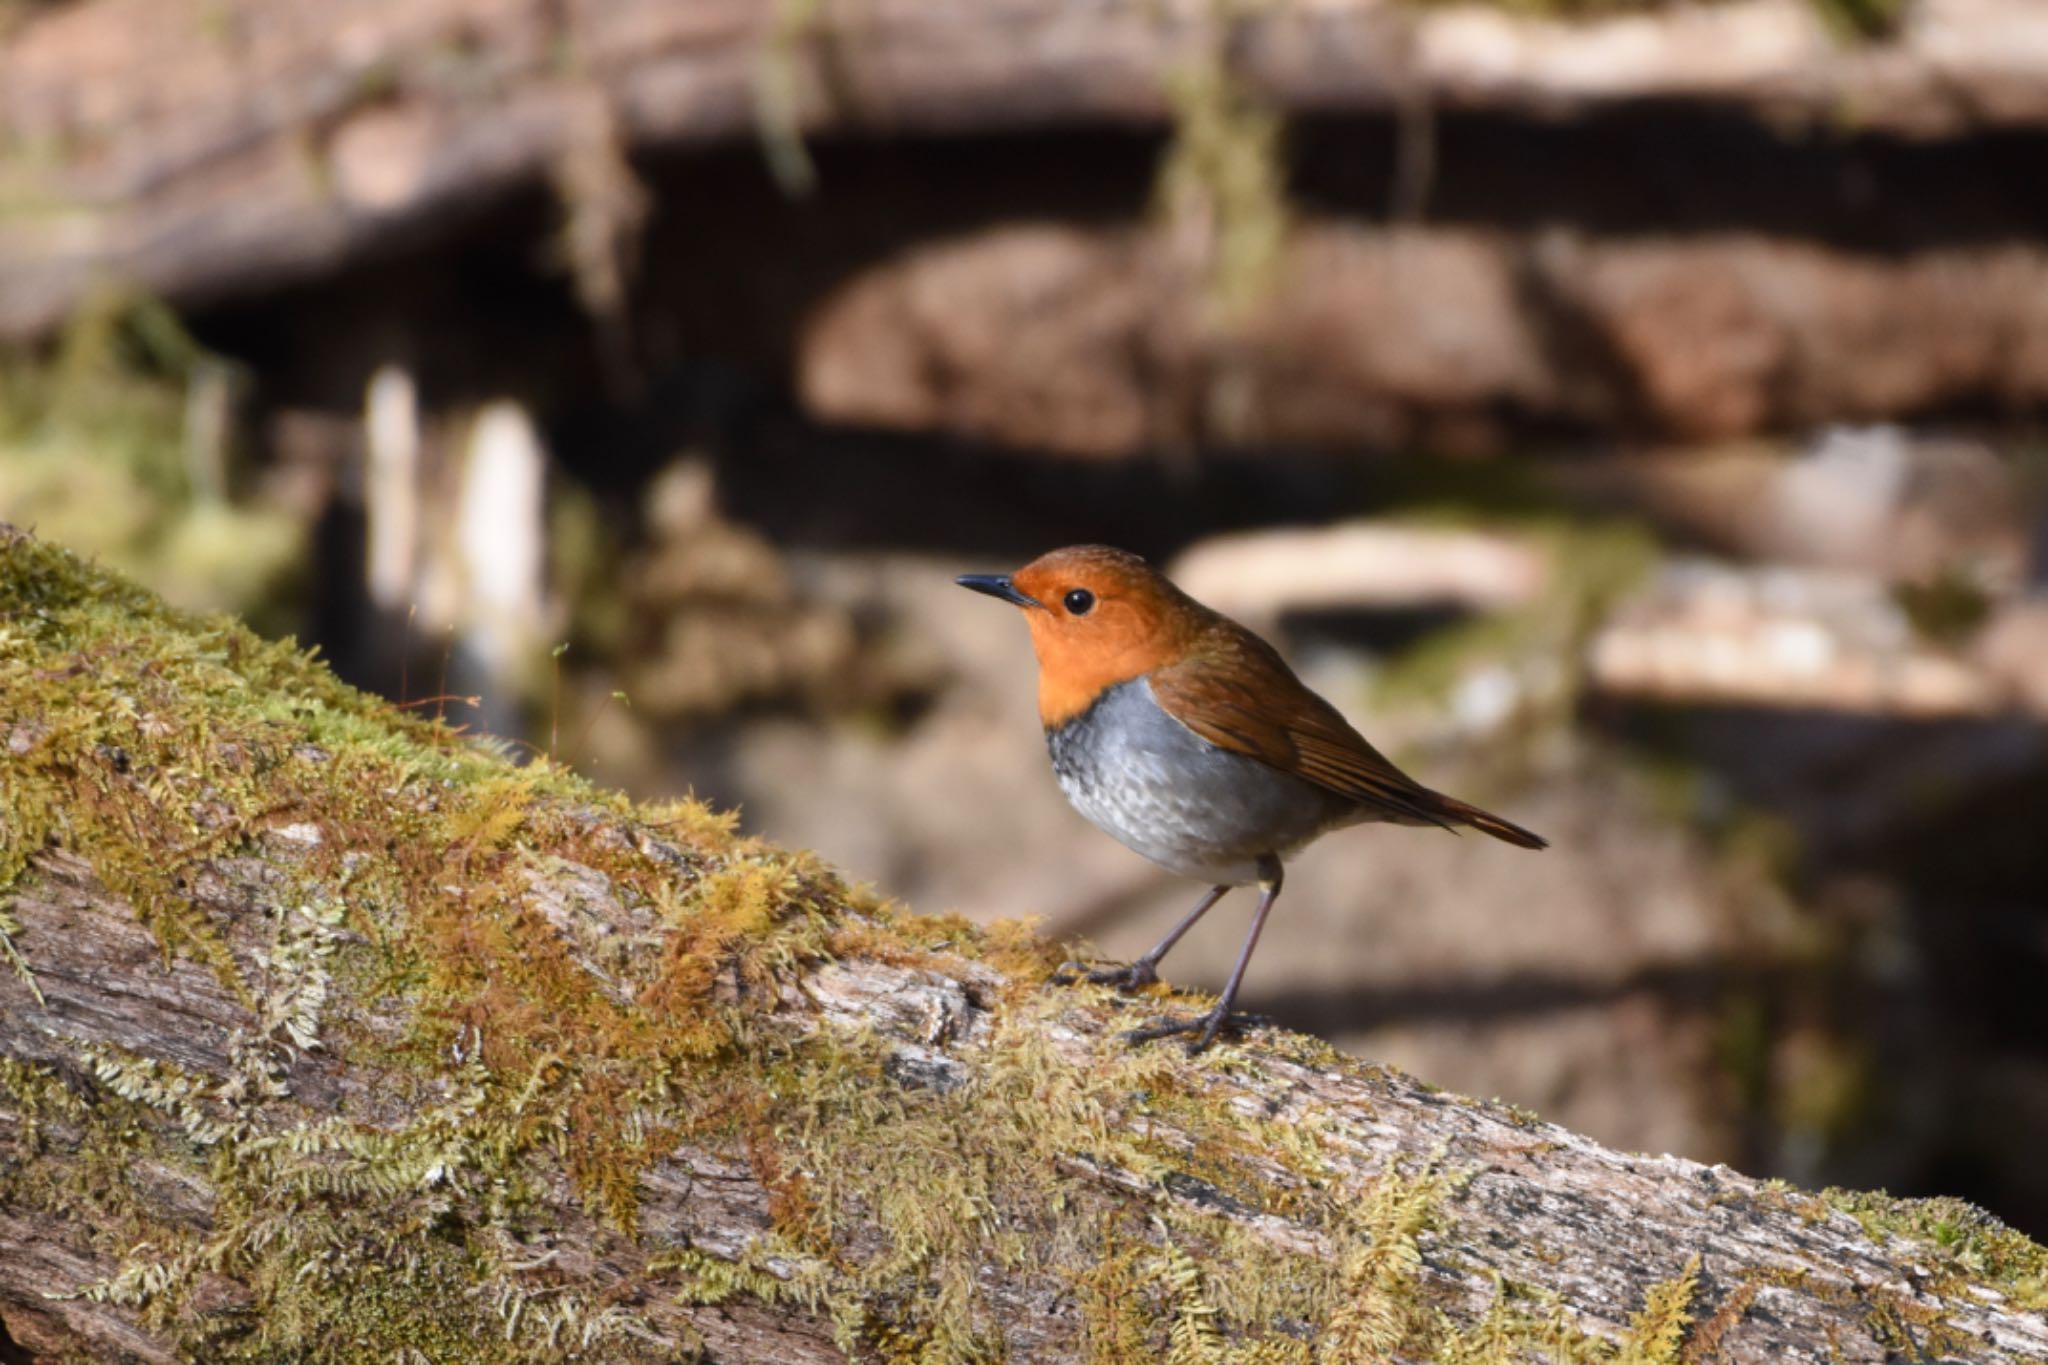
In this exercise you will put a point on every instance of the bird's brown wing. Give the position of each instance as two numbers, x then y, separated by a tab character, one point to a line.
1238	694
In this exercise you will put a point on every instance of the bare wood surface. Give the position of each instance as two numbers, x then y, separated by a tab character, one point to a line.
386	1042
195	150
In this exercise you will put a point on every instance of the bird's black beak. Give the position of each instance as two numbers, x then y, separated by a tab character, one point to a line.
997	585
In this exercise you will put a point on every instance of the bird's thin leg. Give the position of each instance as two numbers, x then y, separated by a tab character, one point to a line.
1206	1026
1145	970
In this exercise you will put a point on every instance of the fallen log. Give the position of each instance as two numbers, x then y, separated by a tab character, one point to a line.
1079	342
327	1034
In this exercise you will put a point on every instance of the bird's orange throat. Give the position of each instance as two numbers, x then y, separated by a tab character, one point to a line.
1071	677
1062	697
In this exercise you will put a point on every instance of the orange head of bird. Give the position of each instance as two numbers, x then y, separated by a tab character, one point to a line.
1098	617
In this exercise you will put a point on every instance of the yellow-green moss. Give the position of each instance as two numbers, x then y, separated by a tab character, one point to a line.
404	933
93	453
1968	1245
1947	607
1379	1309
1657	1332
11	957
1590	566
1222	181
778	95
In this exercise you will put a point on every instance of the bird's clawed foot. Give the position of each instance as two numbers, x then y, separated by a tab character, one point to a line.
1137	976
1204	1027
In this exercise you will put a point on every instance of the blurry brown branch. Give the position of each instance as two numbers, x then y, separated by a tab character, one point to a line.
234	146
1072	340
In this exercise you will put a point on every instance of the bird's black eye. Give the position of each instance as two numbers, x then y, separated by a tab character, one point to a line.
1079	600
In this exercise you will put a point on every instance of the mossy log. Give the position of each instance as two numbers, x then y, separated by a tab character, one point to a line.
240	144
327	1034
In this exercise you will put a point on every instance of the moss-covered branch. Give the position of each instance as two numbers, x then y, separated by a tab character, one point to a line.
325	1034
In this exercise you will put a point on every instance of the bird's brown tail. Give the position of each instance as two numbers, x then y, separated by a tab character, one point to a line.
1486	822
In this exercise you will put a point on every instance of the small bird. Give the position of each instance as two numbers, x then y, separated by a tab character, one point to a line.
1186	737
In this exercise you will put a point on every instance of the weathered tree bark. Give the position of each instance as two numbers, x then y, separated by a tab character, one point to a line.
324	1035
247	143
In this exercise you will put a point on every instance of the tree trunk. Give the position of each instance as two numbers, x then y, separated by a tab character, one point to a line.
326	1034
246	143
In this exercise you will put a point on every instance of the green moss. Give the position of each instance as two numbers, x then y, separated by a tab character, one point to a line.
778	95
1378	1309
1657	1333
1863	19
1590	565
1223	180
1116	1322
1968	1245
93	455
1946	608
411	930
11	957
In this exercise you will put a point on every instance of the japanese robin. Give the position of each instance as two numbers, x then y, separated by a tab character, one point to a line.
1183	735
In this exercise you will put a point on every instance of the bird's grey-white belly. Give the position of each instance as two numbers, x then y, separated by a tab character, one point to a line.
1142	777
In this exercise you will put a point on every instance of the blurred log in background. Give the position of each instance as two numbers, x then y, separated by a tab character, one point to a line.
1630	413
